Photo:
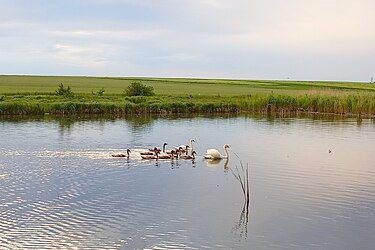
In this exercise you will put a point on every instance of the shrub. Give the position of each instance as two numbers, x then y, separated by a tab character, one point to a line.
61	90
2	98
138	89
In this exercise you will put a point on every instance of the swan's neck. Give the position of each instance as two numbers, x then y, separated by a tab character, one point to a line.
191	146
226	153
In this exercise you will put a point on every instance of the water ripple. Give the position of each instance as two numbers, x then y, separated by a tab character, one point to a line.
67	195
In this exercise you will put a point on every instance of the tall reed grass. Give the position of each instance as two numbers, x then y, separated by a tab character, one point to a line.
340	104
350	104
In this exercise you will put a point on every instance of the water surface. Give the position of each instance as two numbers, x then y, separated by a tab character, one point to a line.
312	184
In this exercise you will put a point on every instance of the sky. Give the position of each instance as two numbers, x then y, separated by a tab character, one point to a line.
331	40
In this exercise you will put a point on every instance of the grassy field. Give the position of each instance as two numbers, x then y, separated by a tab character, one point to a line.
174	86
36	95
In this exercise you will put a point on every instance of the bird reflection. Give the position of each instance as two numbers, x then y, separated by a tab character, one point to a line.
157	164
175	164
193	163
216	162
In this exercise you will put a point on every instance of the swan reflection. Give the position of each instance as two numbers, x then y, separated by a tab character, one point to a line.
217	162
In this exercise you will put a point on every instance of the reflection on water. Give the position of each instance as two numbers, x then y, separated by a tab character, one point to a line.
312	184
217	162
241	227
241	174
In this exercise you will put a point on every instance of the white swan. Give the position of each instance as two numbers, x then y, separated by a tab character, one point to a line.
191	146
215	154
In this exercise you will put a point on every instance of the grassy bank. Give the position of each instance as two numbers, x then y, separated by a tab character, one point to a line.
20	95
117	104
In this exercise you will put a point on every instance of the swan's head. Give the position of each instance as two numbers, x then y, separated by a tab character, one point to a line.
226	146
128	151
193	153
165	144
192	140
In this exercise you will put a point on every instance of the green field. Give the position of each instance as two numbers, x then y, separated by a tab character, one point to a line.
173	86
36	95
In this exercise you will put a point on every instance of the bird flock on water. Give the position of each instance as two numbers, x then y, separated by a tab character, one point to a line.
185	152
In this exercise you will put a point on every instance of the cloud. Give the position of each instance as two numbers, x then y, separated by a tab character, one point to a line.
195	38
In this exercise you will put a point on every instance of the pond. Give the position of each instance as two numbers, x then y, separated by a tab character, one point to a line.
312	184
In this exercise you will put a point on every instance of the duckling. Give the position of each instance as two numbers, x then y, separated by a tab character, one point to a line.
151	157
189	157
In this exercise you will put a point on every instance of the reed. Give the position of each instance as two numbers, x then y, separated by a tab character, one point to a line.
343	105
242	176
21	109
84	108
363	105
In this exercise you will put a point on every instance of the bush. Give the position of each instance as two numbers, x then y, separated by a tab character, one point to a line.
61	90
138	89
2	98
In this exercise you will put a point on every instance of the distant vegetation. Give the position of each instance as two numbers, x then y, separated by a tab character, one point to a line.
61	90
86	95
139	89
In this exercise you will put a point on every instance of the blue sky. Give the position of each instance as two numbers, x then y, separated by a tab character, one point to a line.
245	39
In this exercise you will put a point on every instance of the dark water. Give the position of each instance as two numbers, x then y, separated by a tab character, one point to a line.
312	184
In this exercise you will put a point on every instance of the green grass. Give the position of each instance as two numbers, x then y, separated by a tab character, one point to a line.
20	95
